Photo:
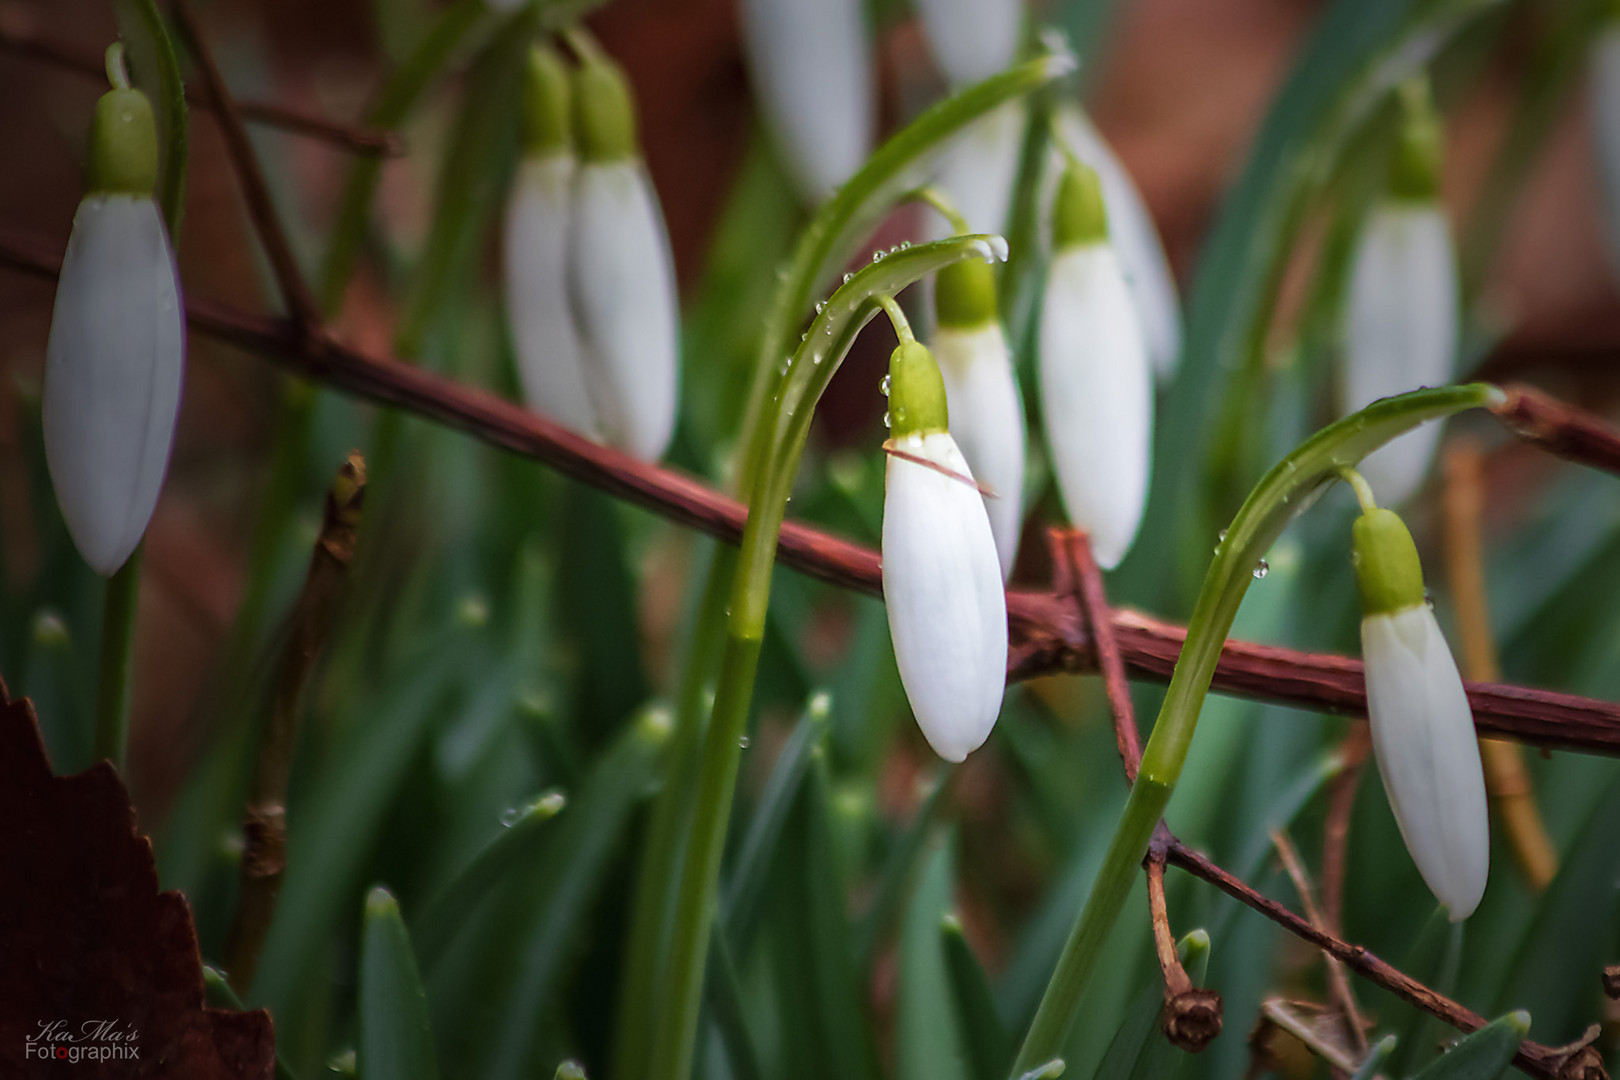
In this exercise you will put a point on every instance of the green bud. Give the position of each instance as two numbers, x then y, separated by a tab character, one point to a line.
916	392
604	111
1079	216
547	124
123	157
1388	572
1414	173
965	294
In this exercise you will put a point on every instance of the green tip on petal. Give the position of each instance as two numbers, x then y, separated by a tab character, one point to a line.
965	294
1388	573
1414	173
547	104
604	111
916	392
1079	216
123	158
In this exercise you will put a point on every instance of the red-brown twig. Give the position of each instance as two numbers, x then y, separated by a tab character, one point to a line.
1341	800
295	294
1192	1014
1071	550
1337	983
1047	631
1560	429
21	40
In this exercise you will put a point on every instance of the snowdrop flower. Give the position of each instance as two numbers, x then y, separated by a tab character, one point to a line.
1136	241
1401	324
1605	115
116	355
623	277
811	67
941	580
980	167
1422	728
551	361
987	416
972	39
1095	379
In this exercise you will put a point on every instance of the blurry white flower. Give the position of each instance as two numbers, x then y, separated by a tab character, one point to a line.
980	167
812	70
1136	241
551	361
1422	726
115	360
1095	379
942	583
1401	318
986	413
622	273
972	39
1605	116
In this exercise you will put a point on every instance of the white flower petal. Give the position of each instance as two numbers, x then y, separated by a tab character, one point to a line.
987	422
625	306
1423	737
113	369
972	39
1400	331
551	362
812	69
1136	242
980	167
946	605
1096	397
1605	79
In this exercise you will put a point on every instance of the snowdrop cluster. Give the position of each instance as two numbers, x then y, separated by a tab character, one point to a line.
590	282
942	582
1401	317
115	359
1422	726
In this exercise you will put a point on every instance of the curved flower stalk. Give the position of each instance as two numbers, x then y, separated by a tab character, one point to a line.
1605	111
1095	379
115	359
1136	241
811	67
986	413
1422	726
972	39
1401	318
942	582
622	274
551	361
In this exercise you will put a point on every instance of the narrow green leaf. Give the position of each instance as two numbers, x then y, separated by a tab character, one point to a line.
1484	1055
1432	960
456	902
396	1040
1374	1061
1139	1050
725	997
218	992
929	1043
985	1038
899	871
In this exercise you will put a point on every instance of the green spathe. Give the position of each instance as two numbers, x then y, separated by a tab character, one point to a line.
1414	173
1079	217
916	392
604	111
1388	572
123	158
965	295
547	123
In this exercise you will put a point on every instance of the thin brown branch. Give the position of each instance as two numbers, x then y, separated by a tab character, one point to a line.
264	827
1192	1014
19	39
1341	800
1047	634
1071	548
295	293
1337	982
1560	429
1536	1059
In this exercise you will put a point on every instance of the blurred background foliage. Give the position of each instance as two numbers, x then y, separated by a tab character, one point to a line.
507	632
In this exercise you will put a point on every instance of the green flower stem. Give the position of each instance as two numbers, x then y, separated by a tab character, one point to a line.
786	418
172	95
1285	492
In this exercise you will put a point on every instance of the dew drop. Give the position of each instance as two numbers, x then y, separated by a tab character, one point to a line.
877	256
848	278
821	305
886	420
1428	599
743	742
885	384
1261	569
1219	540
509	817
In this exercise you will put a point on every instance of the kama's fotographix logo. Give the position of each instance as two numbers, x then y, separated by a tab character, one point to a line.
88	1040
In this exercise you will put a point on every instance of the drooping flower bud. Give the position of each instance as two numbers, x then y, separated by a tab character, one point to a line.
972	39
1422	726
1401	327
551	360
941	579
1095	379
987	415
115	359
622	273
812	71
1136	242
